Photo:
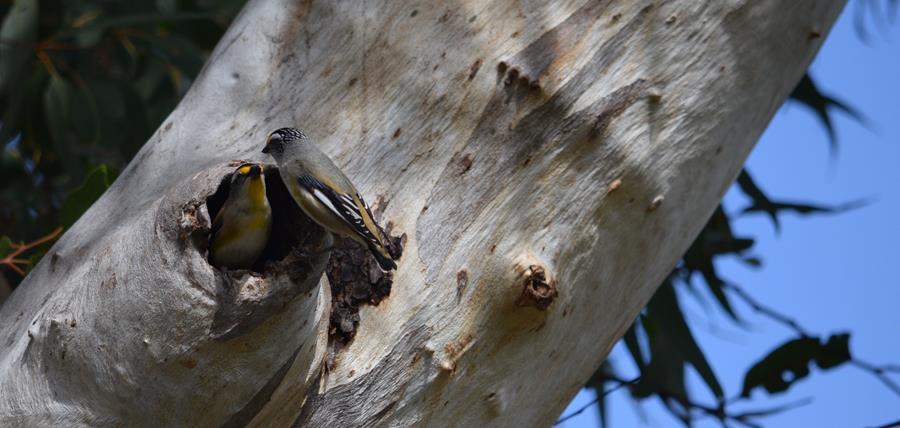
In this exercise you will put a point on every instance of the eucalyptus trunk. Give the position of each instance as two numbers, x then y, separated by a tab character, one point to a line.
543	164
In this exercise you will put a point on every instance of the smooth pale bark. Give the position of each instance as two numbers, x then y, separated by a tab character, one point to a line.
573	146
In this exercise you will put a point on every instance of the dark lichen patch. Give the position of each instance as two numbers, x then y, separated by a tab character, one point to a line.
537	289
356	279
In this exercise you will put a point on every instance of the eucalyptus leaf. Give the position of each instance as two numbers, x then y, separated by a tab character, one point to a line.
18	33
789	363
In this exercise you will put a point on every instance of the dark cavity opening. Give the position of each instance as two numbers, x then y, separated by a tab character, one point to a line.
291	228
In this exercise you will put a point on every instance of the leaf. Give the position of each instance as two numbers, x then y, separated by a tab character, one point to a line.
762	203
58	97
807	93
834	352
22	103
789	362
634	348
672	346
18	33
597	382
715	239
752	261
5	245
77	202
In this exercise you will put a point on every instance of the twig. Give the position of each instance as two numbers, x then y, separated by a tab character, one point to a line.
621	383
719	412
11	261
744	418
894	424
880	372
771	313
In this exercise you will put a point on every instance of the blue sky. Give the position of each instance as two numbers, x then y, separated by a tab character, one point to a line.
831	273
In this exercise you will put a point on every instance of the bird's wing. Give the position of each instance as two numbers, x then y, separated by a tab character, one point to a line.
340	204
216	225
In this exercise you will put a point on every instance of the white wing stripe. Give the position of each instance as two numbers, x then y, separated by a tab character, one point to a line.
324	200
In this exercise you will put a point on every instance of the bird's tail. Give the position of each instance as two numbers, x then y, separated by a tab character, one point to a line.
382	257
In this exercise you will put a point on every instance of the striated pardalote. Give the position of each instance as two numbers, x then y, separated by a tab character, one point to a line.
241	228
324	193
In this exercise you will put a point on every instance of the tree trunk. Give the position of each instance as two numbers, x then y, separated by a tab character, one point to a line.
546	162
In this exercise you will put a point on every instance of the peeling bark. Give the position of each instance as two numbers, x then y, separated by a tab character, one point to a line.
548	162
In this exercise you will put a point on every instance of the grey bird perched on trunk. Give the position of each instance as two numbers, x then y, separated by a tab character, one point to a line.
324	192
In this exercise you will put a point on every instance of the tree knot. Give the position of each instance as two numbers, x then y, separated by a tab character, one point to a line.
538	289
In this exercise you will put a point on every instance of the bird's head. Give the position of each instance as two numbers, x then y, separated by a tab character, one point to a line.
246	171
281	139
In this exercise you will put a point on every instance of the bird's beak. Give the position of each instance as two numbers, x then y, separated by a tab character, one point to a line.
266	149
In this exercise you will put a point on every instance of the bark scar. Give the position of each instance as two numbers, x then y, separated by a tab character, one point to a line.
537	289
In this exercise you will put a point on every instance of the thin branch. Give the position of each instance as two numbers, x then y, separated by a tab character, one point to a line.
894	424
621	383
11	261
719	412
771	313
880	372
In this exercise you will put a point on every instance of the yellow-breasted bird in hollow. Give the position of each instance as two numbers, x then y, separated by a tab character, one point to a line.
241	229
324	193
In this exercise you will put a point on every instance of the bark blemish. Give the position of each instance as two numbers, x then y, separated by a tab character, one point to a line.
188	363
190	225
619	101
496	404
397	133
538	289
465	163
614	185
453	351
462	281
655	203
511	76
473	70
517	76
447	366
